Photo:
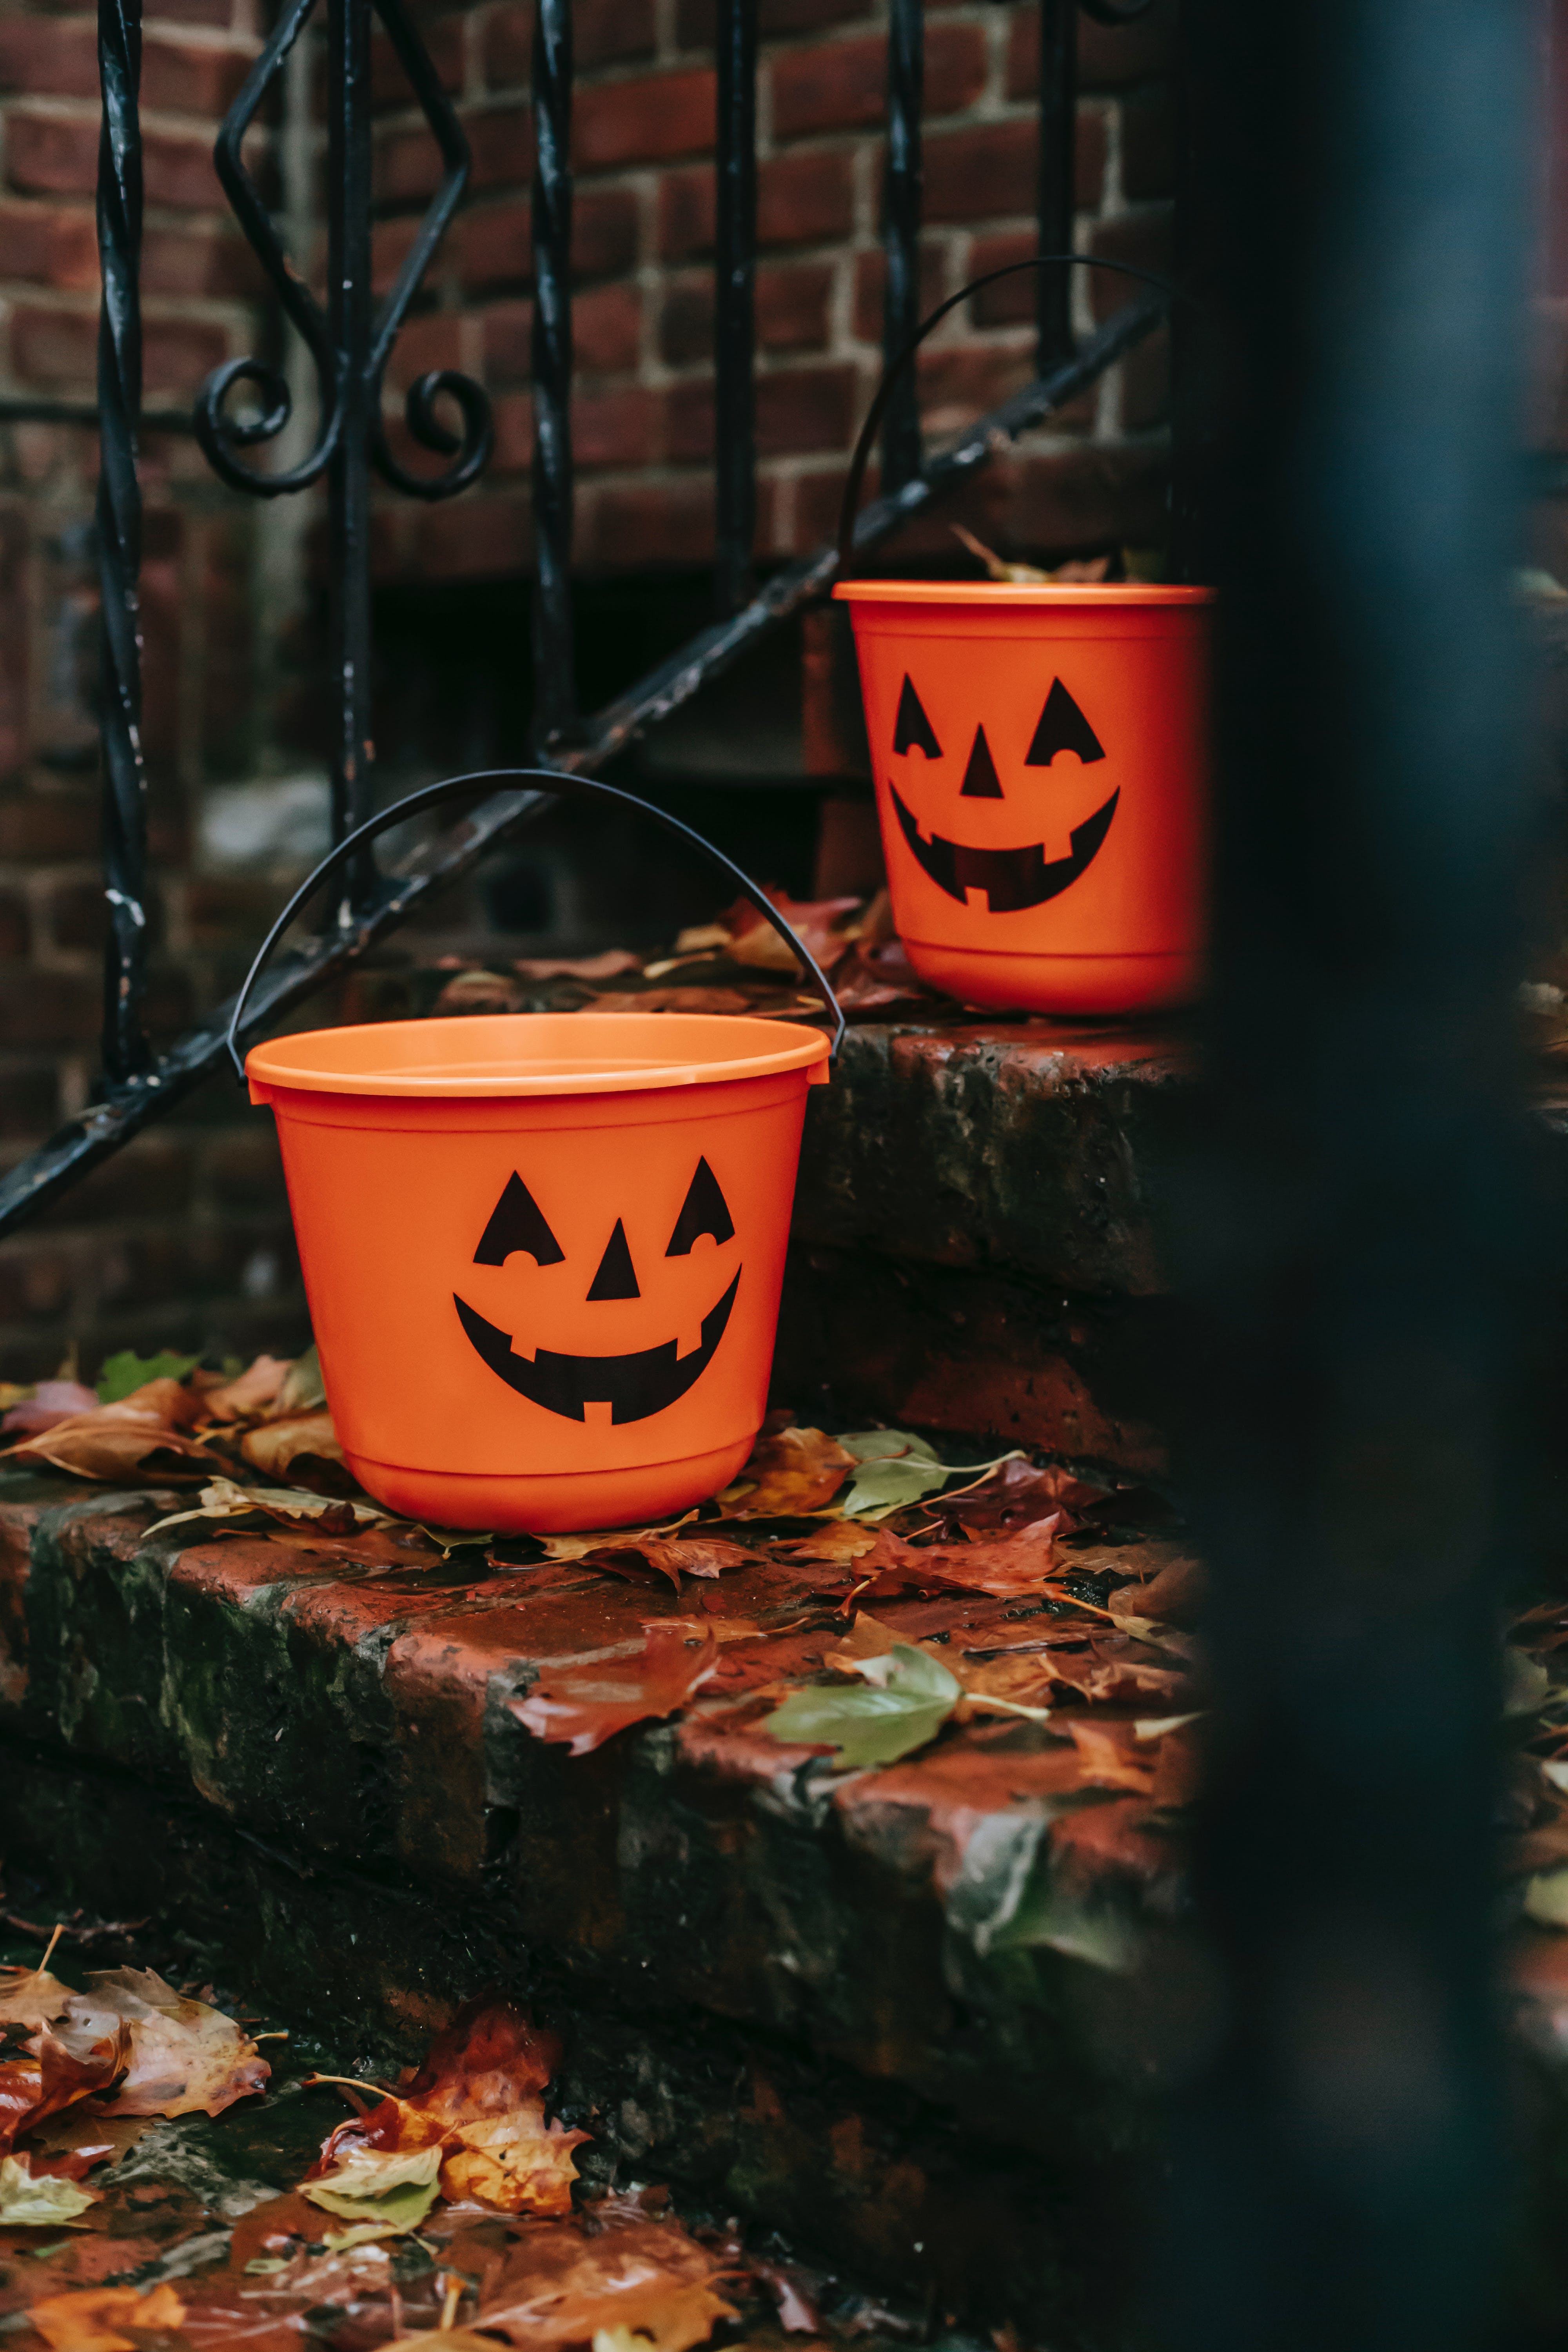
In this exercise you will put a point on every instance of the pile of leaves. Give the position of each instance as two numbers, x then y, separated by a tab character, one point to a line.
76	2065
170	1420
441	2211
737	964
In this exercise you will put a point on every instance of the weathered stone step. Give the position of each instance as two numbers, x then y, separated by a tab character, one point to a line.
975	1245
848	2004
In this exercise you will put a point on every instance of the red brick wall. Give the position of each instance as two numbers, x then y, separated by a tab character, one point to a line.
643	136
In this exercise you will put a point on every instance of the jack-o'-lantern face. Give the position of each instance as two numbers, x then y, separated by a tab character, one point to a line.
1009	880
637	1382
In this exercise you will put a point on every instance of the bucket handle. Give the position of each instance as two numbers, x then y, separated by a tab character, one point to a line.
555	780
901	360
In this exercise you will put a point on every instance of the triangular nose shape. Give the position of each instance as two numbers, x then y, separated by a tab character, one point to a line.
981	781
616	1277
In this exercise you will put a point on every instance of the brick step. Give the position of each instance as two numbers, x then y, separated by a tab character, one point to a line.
850	2006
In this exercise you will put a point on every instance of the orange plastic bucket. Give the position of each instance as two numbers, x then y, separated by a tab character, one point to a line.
1041	760
543	1251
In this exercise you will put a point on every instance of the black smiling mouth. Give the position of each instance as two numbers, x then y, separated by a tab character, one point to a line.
1012	879
633	1387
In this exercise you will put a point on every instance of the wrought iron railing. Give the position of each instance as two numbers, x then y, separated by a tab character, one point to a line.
351	342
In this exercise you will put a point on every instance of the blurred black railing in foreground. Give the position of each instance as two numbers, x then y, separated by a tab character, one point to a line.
350	345
1356	1224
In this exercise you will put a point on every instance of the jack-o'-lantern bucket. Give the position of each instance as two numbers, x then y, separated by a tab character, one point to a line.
543	1252
1041	758
1042	783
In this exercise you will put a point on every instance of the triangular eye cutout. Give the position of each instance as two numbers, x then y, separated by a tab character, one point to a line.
912	729
517	1223
616	1277
703	1212
1062	728
981	781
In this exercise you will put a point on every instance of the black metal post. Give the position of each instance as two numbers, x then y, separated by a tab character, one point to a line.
1057	164
1355	1224
348	468
734	272
556	720
902	189
125	1047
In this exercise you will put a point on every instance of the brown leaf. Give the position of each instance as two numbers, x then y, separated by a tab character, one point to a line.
639	2279
251	1393
295	1437
141	1436
32	1997
51	2076
477	2096
793	1471
609	965
819	922
94	2318
674	1556
184	2058
1173	1595
1007	1568
1113	1667
1108	1755
1014	1495
837	1541
479	991
588	1703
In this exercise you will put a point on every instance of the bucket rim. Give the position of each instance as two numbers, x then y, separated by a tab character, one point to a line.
758	1047
1046	593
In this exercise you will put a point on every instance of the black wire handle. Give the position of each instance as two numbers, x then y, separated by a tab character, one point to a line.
555	780
896	366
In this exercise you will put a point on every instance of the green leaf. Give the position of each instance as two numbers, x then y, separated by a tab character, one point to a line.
302	1389
385	2191
898	1468
121	1375
44	2203
392	2213
873	1723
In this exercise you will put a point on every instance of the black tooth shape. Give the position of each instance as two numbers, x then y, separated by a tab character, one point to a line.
616	1277
1062	728
912	728
981	781
704	1211
518	1222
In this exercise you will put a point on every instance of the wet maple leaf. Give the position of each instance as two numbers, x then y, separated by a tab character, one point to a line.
792	1470
1007	1568
183	2057
478	2100
50	2075
140	1437
588	1702
672	1556
646	2284
1010	1496
94	2318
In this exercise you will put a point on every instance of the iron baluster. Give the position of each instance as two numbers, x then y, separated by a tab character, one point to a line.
348	466
556	720
126	1052
1058	186
901	195
734	272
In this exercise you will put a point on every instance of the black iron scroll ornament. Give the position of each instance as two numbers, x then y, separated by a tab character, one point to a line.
350	345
